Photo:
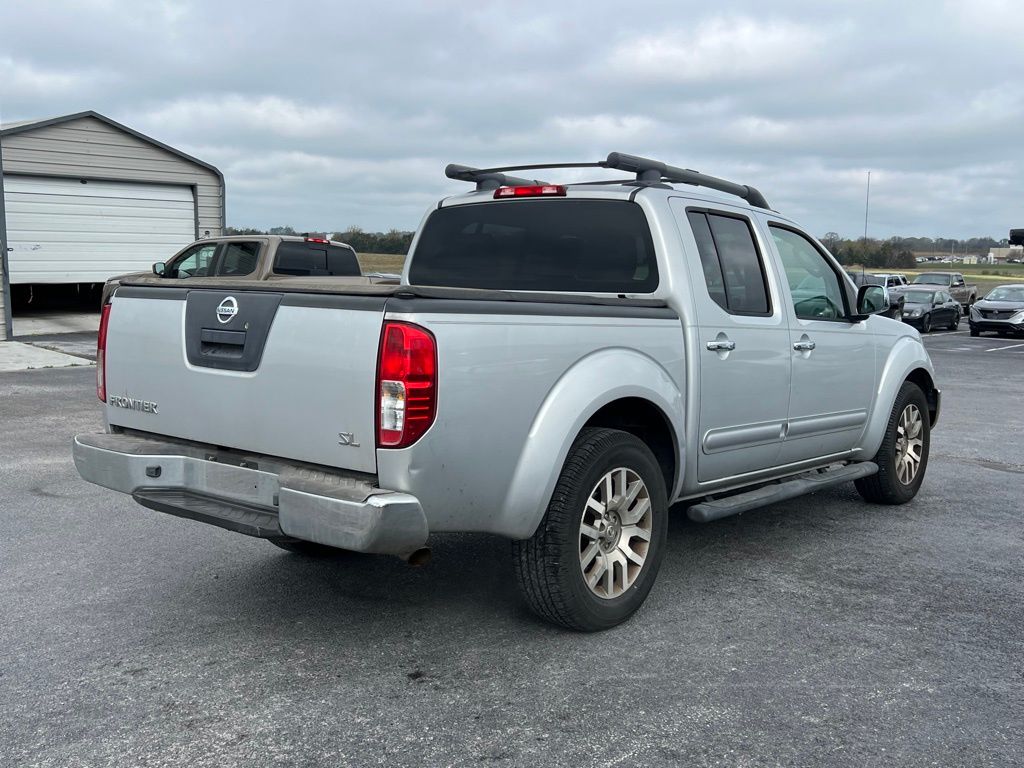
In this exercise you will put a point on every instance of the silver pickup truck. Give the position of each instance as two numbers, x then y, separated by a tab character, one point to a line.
559	365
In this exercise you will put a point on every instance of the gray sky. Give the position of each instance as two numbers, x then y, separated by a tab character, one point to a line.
325	115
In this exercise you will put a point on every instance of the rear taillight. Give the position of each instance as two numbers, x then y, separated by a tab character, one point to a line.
101	355
406	384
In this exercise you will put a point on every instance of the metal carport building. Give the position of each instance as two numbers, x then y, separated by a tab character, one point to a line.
83	198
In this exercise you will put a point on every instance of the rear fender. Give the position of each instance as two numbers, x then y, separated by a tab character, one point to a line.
580	392
906	356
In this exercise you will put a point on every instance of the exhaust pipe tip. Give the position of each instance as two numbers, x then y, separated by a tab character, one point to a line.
418	557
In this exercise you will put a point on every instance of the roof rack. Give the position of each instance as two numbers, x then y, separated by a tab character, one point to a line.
487	178
648	173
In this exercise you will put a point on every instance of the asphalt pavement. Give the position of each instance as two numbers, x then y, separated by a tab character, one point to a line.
821	631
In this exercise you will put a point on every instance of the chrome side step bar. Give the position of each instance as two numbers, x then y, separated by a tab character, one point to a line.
799	485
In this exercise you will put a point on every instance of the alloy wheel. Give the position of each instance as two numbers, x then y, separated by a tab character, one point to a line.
615	533
909	444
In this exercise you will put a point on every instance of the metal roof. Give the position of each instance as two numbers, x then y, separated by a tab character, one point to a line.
23	126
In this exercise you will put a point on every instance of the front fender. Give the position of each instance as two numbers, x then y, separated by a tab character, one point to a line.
591	383
906	355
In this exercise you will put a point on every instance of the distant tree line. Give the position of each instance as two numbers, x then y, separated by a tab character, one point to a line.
901	252
392	241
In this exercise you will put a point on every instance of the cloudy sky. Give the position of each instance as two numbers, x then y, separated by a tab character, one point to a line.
325	115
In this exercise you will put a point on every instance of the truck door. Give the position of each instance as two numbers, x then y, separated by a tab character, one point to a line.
833	358
742	342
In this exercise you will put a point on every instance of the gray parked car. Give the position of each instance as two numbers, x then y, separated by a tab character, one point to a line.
1002	311
560	364
926	308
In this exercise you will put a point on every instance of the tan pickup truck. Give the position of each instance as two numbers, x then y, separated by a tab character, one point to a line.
953	282
259	257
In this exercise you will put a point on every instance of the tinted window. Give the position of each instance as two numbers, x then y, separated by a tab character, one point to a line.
295	258
932	278
342	262
709	258
813	284
595	246
238	259
300	259
732	266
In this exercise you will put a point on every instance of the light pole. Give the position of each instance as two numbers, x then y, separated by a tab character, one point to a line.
867	202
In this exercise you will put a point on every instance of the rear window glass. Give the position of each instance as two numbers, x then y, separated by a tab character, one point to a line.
589	246
315	259
732	266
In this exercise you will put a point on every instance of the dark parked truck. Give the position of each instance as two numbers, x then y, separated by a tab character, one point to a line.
560	364
953	282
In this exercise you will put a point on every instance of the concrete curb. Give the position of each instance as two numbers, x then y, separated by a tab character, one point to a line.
17	356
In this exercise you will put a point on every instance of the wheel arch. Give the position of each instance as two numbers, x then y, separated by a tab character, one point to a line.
643	400
907	361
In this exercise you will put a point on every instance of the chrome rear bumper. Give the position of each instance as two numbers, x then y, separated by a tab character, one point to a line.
254	495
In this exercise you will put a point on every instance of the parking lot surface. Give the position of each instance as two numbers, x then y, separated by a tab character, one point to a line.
821	631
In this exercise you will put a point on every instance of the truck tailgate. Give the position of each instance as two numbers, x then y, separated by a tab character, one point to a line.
277	373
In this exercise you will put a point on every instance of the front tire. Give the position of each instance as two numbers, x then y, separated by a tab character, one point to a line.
595	555
926	324
975	333
902	458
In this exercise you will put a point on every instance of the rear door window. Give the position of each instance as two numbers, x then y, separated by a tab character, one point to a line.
733	271
591	246
238	259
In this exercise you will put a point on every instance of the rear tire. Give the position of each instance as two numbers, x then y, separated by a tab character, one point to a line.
902	458
595	555
955	323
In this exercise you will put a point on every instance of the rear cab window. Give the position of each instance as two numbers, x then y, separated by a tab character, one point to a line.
315	259
563	245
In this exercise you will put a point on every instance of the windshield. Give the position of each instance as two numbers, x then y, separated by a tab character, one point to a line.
1006	293
592	246
918	297
932	278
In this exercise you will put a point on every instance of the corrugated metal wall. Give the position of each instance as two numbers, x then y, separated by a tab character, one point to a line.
90	148
5	311
85	147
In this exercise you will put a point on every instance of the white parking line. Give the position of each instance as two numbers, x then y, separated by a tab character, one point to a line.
1000	349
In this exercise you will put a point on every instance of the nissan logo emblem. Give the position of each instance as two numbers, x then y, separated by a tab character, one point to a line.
227	309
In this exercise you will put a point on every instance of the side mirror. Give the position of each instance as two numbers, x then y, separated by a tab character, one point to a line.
159	269
871	299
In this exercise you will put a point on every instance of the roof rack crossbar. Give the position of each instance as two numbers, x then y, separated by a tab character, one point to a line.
654	171
486	178
647	172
